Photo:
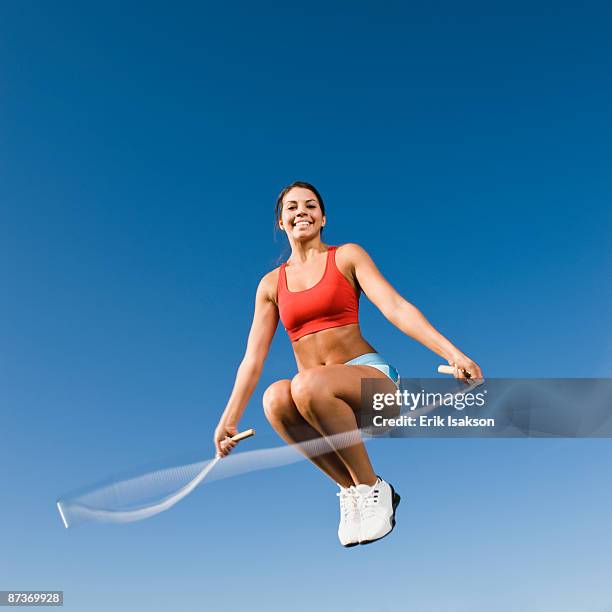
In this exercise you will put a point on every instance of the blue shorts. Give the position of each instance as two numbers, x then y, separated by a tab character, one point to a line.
377	361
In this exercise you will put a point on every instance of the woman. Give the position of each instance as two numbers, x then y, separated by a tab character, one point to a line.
316	296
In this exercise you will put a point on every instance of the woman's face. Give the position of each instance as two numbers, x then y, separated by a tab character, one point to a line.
301	217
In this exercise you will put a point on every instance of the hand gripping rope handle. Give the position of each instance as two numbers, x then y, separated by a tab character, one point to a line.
247	433
169	501
448	369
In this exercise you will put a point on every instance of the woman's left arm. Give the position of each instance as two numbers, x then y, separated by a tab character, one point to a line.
404	315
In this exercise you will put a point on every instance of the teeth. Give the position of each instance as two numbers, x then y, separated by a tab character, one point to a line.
302	223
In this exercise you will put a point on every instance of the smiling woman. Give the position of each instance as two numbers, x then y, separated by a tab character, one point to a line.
316	296
312	203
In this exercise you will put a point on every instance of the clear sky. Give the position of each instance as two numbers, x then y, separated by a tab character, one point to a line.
466	146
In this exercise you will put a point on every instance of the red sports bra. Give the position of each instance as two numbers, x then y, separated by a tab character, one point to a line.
332	302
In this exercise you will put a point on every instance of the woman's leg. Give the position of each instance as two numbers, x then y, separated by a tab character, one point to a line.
281	411
328	397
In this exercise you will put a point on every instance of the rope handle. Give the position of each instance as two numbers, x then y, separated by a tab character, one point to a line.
247	433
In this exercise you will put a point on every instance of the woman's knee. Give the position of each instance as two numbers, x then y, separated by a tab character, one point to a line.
306	388
277	401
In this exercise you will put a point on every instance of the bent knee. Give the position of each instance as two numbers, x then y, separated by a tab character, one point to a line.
307	386
277	400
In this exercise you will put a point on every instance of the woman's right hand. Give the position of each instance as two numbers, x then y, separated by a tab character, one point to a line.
222	438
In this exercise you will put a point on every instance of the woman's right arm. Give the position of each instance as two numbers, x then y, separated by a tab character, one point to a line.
265	321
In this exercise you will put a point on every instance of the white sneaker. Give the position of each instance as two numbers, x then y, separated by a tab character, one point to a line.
377	506
350	521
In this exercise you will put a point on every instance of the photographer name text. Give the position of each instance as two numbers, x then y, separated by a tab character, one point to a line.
432	421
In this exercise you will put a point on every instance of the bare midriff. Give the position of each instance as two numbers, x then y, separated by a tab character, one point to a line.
330	346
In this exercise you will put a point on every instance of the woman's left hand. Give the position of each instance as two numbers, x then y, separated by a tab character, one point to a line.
465	368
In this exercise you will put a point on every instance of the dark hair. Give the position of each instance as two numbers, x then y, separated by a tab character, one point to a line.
278	211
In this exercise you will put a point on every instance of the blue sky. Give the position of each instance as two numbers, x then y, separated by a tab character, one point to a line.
466	147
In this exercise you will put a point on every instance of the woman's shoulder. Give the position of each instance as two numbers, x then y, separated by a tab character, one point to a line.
348	256
269	282
350	252
270	278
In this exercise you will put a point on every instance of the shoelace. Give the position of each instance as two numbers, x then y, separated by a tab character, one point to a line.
367	503
349	503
